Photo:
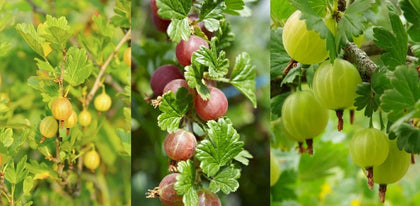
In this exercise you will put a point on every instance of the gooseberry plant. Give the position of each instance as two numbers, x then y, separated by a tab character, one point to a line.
316	46
64	152
204	147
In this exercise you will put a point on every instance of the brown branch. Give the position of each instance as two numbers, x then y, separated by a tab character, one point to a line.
109	80
97	83
36	8
363	63
276	88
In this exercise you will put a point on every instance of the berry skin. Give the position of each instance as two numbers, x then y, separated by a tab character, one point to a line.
102	102
334	85
207	198
160	24
162	76
274	170
71	121
213	108
85	118
91	160
167	194
127	56
48	127
175	84
185	49
61	108
180	145
303	45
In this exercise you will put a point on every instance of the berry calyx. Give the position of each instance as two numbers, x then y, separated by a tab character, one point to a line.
162	76
48	127
85	118
91	160
185	49
180	145
102	102
212	108
61	108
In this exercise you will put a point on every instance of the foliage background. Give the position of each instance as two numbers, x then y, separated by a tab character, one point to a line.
150	50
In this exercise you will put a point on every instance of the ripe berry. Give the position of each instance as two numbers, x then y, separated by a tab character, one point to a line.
48	127
127	56
102	102
167	193
91	160
304	117
175	84
369	148
303	45
85	118
185	49
212	108
61	108
160	24
180	145
207	198
162	76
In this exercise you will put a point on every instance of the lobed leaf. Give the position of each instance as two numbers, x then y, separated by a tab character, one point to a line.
243	77
173	109
185	183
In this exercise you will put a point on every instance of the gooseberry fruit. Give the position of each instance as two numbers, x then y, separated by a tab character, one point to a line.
303	45
48	127
91	160
70	122
212	108
160	24
304	117
180	145
392	169
127	56
167	193
61	108
207	198
334	86
369	148
162	76
102	102
194	17
185	49
274	170
85	118
175	84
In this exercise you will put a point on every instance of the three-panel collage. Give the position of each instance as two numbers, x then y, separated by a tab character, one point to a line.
210	102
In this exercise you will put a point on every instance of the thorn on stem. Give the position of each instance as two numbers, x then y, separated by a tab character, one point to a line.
339	114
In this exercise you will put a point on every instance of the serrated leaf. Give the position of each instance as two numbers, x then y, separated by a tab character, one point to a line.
279	59
173	108
194	77
78	67
179	29
412	16
41	170
31	37
16	175
408	138
125	138
226	180
28	184
224	35
6	137
292	75
104	28
56	31
243	157
395	44
169	9
403	95
123	14
185	183
44	65
222	146
218	64
243	77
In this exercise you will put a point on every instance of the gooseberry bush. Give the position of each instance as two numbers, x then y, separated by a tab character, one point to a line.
65	103
203	150
349	55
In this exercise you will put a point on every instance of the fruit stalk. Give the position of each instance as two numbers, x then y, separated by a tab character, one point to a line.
382	192
309	148
340	123
369	175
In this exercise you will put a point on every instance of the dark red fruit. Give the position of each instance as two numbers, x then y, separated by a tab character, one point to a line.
213	108
180	145
194	17
207	198
174	85
167	193
162	76
160	24
185	49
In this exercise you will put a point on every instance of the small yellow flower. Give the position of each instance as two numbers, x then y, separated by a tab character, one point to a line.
355	202
325	190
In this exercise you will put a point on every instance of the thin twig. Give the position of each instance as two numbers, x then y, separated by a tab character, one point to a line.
97	83
109	80
357	56
36	8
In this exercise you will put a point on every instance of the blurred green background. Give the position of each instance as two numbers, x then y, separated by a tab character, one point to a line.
152	49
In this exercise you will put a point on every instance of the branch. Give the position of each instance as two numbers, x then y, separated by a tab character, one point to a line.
36	8
276	88
363	63
97	83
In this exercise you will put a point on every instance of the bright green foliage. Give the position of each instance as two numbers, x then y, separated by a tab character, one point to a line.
369	147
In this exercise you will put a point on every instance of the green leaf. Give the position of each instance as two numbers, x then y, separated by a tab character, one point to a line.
243	157
408	138
194	77
279	59
211	14
185	183
123	14
277	103
173	109
78	67
412	16
28	184
44	65
313	16
6	137
104	28
284	189
41	170
169	9
224	35
237	7
403	95
226	180
222	146
394	43
16	175
125	138
31	37
179	29
292	75
56	31
218	64
243	77
280	10
4	48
